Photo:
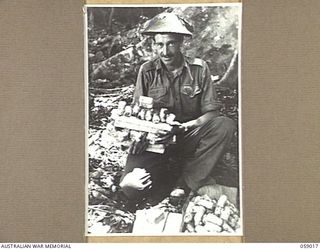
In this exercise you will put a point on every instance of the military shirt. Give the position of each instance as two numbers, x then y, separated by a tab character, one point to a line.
188	93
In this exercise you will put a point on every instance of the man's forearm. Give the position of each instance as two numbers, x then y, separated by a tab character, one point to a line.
201	120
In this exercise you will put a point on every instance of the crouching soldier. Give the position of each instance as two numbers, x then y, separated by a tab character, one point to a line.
184	87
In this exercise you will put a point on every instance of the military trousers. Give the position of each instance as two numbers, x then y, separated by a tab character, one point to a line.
197	152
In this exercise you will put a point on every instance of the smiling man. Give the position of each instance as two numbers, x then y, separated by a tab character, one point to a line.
184	87
168	48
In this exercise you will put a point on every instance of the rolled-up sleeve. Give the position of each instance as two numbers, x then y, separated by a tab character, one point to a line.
209	101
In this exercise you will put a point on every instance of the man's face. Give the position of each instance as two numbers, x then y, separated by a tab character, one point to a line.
168	47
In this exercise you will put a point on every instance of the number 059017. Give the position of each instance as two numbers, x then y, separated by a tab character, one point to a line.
309	245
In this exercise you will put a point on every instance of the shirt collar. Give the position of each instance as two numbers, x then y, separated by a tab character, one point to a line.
185	63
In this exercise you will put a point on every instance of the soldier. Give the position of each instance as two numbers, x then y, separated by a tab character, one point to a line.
184	87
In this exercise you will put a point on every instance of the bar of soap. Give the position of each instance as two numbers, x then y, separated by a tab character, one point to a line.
146	102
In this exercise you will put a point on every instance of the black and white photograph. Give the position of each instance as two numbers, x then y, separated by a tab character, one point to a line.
163	143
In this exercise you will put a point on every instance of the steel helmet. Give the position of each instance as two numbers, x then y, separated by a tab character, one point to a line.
167	23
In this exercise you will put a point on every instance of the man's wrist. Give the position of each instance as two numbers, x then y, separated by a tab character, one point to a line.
189	125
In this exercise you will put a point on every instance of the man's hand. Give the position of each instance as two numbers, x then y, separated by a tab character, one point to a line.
180	128
139	145
138	179
165	136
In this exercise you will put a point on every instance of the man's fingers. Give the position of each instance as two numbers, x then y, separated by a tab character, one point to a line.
163	132
143	186
140	173
145	178
163	138
147	184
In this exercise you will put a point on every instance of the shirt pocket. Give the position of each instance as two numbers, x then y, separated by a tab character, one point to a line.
159	95
190	91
